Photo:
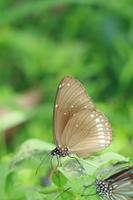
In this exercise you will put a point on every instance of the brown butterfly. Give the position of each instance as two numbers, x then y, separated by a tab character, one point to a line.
78	127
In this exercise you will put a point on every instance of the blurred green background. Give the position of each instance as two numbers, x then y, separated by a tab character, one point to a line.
40	43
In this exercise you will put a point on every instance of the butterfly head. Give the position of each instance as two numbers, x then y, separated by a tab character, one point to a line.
104	188
60	151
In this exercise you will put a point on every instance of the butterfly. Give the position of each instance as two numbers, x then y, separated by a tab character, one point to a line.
78	127
119	186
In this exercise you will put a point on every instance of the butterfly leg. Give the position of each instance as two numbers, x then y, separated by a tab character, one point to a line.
81	167
41	162
59	161
51	161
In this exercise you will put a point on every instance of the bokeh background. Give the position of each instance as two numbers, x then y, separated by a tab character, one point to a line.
40	43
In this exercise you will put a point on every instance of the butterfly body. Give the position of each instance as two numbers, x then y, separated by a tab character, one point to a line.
78	127
104	188
60	151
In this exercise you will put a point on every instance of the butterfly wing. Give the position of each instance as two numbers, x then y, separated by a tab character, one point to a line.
123	184
119	197
71	98
87	132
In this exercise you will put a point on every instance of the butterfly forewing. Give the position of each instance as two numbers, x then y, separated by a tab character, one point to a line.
87	132
71	98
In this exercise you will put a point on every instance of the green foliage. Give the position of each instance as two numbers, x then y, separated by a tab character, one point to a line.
69	179
40	42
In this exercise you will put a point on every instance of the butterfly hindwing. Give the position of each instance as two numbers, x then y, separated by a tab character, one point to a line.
123	183
87	132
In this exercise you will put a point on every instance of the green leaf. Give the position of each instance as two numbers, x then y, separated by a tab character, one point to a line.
77	167
83	186
29	149
65	195
109	158
59	179
9	182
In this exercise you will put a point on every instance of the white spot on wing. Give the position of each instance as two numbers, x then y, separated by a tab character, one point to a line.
65	113
99	125
60	86
56	105
102	141
103	145
100	129
92	115
106	124
68	84
97	120
101	136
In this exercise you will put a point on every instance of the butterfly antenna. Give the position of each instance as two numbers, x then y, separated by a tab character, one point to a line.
41	163
52	165
81	166
59	161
